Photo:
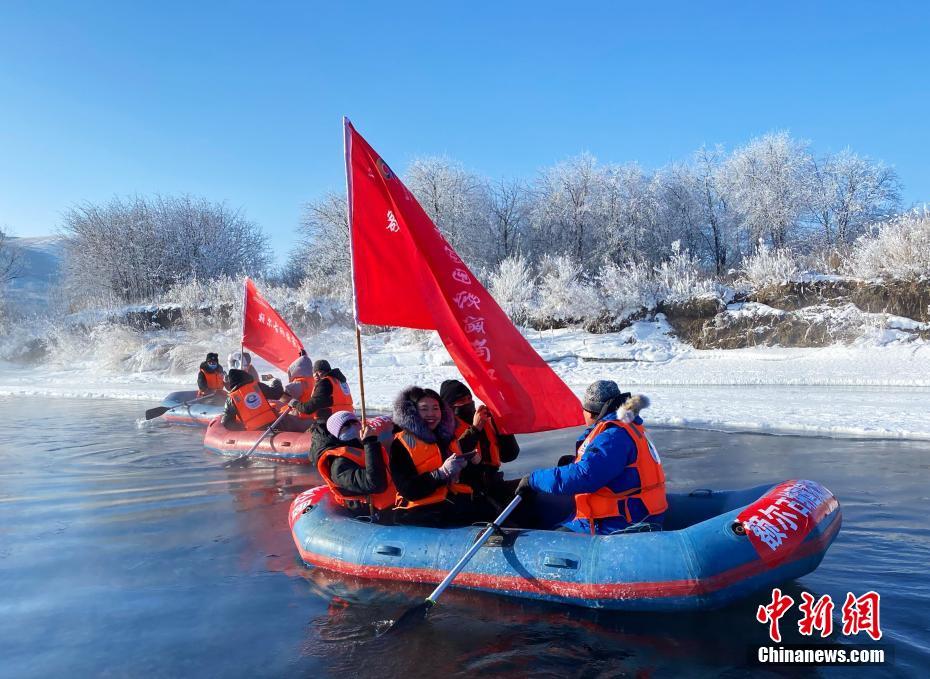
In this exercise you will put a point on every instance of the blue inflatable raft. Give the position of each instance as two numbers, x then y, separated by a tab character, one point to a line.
717	547
195	414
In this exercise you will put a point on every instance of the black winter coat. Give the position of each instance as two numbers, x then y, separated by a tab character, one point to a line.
321	400
272	392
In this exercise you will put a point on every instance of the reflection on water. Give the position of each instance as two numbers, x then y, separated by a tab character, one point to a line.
129	552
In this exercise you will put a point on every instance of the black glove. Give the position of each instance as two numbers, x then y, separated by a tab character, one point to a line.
564	460
524	489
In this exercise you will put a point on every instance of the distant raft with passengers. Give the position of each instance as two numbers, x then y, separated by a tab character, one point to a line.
717	547
185	409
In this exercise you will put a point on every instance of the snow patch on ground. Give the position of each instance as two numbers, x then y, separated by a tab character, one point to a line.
875	388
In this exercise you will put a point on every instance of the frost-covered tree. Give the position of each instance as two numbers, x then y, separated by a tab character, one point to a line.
627	213
566	196
849	192
456	201
133	249
768	184
321	260
718	220
9	259
513	285
508	206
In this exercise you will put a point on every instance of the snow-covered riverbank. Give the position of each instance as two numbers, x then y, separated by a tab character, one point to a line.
879	388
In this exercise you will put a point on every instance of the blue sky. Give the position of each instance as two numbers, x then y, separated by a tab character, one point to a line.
242	102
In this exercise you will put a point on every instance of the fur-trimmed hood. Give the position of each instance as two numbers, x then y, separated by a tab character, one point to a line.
407	417
630	409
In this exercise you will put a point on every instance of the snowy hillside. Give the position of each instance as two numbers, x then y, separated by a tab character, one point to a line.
39	263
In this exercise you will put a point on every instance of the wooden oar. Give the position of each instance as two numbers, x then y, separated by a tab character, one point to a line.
420	611
152	413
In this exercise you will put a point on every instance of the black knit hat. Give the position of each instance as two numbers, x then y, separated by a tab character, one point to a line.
236	378
453	390
321	366
215	356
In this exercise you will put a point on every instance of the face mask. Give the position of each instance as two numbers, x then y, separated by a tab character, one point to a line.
350	432
466	412
213	366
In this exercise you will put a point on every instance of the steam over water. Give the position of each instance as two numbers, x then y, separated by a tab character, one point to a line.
128	551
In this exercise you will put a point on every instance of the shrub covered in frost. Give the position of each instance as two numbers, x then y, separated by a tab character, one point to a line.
679	277
768	266
899	249
564	294
627	288
513	285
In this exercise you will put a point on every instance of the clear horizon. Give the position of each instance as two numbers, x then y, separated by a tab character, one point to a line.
245	107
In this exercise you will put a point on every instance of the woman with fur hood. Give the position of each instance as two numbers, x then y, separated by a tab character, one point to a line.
615	476
426	462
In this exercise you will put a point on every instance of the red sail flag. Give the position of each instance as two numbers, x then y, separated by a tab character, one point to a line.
265	332
406	274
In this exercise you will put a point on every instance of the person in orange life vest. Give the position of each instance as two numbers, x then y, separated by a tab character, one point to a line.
476	429
248	405
211	377
426	461
243	361
353	463
616	476
330	393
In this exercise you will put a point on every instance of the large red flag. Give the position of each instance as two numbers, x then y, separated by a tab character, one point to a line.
406	274
265	332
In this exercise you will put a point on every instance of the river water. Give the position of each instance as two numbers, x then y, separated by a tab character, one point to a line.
131	551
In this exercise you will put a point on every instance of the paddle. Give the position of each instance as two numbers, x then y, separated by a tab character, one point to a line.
261	438
420	611
152	413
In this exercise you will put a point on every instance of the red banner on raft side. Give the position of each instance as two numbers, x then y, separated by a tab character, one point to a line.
264	331
782	519
407	275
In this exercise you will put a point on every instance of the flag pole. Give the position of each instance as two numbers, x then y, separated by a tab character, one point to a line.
245	297
347	144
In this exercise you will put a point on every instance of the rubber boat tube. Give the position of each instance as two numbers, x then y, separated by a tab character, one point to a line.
282	446
717	547
195	414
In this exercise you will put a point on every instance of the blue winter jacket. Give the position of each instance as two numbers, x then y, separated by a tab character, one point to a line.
604	463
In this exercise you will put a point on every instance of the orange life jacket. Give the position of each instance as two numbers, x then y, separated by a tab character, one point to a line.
214	381
252	407
605	503
382	500
427	458
308	383
342	397
493	458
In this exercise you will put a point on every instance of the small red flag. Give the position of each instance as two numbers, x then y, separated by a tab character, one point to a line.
265	332
406	274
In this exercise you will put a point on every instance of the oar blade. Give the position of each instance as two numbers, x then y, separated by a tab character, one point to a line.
410	618
152	413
